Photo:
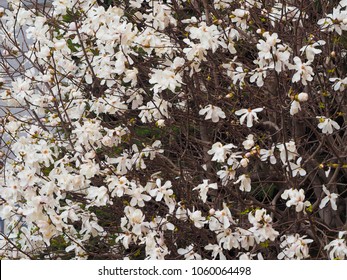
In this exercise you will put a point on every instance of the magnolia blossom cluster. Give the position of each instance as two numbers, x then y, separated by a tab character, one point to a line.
296	198
172	129
295	247
338	248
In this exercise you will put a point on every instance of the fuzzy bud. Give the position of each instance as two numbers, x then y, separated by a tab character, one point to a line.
303	96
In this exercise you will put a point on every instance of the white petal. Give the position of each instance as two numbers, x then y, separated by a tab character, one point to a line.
323	202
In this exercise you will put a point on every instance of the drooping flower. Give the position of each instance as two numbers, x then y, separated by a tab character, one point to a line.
245	183
295	107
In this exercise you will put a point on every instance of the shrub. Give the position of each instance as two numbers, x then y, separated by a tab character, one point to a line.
176	129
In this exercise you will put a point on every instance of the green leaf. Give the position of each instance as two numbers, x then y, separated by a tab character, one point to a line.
264	244
72	46
245	212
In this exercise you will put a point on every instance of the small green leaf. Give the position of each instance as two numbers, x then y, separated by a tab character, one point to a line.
245	212
264	244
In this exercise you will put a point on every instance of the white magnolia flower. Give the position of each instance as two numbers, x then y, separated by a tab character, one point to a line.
233	159
208	36
226	174
224	216
135	218
246	238
220	152
196	218
189	253
216	251
327	125
165	79
164	191
338	247
98	195
245	181
244	162
330	197
295	247
156	248
203	189
249	142
288	151
265	154
335	21
296	198
250	114
212	112
137	195
181	212
238	75
262	226
343	3
266	49
311	51
161	190
339	84
259	74
295	107
303	71
281	58
240	17
296	168
117	185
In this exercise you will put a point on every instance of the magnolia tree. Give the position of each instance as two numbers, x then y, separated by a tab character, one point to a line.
178	129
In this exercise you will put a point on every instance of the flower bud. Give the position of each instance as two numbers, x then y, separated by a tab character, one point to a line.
244	162
212	211
160	123
303	96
